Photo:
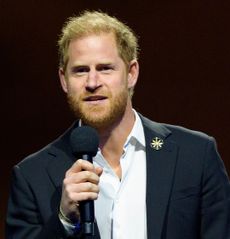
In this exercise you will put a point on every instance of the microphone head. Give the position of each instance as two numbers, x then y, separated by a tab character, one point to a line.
84	140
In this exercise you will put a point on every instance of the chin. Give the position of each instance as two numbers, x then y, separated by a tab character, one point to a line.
97	121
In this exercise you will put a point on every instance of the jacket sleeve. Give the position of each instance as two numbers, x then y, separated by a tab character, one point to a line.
215	203
24	220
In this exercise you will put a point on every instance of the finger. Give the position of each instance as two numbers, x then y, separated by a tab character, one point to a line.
80	165
77	197
82	187
74	192
76	167
82	176
99	171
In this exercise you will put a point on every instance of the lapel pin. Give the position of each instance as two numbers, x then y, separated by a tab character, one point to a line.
157	143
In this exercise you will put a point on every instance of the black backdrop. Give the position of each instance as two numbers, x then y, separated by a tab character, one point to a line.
184	76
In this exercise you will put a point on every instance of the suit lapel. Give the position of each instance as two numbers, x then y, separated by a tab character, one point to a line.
160	175
58	169
61	158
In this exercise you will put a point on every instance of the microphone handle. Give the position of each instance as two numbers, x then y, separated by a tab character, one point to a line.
87	209
87	157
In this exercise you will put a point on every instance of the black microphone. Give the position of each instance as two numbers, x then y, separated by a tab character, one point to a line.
84	142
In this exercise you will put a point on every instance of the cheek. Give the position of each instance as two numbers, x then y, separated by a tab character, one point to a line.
119	82
76	93
73	87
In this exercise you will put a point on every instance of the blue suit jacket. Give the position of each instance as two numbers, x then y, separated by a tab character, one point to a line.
188	190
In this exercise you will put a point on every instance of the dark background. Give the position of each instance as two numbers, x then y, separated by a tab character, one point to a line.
184	76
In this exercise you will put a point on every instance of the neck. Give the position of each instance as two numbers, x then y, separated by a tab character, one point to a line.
119	130
112	139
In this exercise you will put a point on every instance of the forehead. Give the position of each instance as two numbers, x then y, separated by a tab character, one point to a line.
104	43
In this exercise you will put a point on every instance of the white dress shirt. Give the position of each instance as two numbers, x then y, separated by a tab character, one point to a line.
120	209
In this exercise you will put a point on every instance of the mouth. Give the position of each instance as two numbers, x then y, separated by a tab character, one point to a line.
95	98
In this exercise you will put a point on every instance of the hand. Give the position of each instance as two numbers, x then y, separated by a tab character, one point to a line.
80	183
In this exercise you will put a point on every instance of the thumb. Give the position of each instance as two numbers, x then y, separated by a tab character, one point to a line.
99	171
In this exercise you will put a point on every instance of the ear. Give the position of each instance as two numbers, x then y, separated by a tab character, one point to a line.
133	73
62	79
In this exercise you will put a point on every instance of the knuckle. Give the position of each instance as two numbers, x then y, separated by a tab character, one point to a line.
68	191
89	186
79	161
83	196
71	196
94	196
88	196
97	179
87	174
97	190
65	182
67	173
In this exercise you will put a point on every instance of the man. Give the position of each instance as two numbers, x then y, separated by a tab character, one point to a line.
148	180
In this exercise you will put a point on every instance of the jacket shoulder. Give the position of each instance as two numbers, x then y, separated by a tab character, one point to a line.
174	132
40	158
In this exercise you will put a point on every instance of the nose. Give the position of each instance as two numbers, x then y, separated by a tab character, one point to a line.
92	82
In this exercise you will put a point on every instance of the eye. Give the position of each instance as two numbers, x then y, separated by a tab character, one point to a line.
80	70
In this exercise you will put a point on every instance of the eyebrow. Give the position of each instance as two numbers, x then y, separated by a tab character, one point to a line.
78	67
105	64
